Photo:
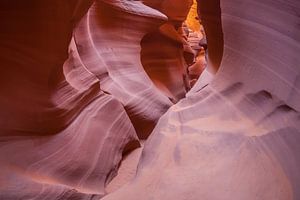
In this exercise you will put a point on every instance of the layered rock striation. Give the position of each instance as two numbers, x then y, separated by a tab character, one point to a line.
83	83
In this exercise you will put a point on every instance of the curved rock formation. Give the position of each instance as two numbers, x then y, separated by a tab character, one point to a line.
108	41
61	137
236	138
34	44
60	134
76	98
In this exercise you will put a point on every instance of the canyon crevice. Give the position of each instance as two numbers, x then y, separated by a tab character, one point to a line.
120	99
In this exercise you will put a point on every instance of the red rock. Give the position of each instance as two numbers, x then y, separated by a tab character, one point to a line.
80	86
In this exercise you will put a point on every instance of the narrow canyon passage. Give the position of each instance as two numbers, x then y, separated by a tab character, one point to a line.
150	99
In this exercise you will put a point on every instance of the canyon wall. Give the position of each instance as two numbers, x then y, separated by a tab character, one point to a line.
238	136
80	89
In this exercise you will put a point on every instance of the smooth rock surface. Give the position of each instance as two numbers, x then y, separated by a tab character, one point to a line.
61	137
75	99
108	41
236	138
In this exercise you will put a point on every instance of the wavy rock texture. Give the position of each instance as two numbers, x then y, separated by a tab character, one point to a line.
63	138
34	44
238	137
108	41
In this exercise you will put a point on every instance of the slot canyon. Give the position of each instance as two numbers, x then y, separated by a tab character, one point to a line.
150	100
